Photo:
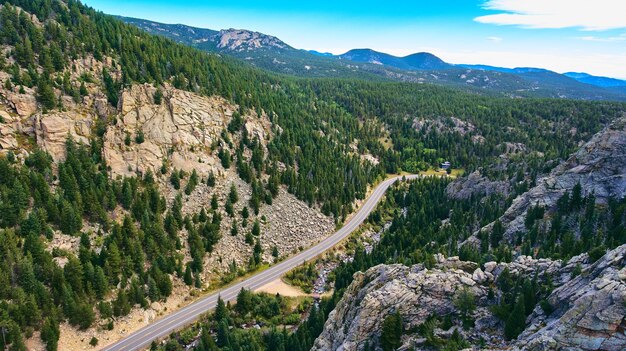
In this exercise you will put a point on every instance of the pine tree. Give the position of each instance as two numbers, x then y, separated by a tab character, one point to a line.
140	137
188	278
45	95
211	179
516	322
121	305
153	290
390	337
497	232
214	203
256	228
257	251
158	96
101	285
223	335
228	208
233	196
275	252
225	157
465	303
244	302
175	179
206	341
50	334
221	313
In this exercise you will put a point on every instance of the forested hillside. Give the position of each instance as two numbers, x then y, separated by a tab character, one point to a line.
270	53
327	141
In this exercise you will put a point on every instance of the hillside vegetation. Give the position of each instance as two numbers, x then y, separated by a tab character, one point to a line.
328	140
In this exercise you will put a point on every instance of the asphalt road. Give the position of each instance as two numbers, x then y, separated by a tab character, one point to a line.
163	327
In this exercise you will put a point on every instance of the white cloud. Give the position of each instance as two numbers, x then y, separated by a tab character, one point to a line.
495	39
621	37
591	15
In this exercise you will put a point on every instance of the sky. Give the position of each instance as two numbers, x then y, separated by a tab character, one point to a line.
561	35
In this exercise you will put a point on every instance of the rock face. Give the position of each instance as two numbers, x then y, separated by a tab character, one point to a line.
599	166
53	129
450	125
245	40
184	129
475	184
415	292
7	131
24	104
24	125
589	310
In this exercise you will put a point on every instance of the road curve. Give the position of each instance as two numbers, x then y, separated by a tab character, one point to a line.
187	315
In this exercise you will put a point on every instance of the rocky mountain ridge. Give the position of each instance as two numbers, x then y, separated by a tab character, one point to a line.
589	308
271	53
599	166
246	40
183	131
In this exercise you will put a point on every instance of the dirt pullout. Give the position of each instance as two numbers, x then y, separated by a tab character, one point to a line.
278	286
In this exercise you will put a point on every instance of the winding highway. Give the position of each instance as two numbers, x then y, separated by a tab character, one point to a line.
142	338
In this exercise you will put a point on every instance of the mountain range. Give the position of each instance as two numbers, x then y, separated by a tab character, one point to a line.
271	53
146	181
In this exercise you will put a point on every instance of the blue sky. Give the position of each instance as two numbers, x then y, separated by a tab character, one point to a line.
562	35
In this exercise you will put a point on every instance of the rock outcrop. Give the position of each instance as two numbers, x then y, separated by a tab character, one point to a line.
245	40
414	292
589	310
53	129
24	124
443	125
24	104
184	129
599	166
7	132
475	184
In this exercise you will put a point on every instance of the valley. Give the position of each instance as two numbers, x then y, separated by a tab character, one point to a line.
164	186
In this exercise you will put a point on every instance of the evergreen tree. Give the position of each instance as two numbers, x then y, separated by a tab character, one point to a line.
223	335
465	303
158	96
211	179
516	322
233	196
188	278
121	305
214	203
45	95
392	330
257	251
256	228
244	302
175	179
50	334
221	313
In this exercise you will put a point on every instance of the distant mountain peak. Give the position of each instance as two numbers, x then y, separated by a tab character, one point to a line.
245	40
604	82
269	52
413	62
318	53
